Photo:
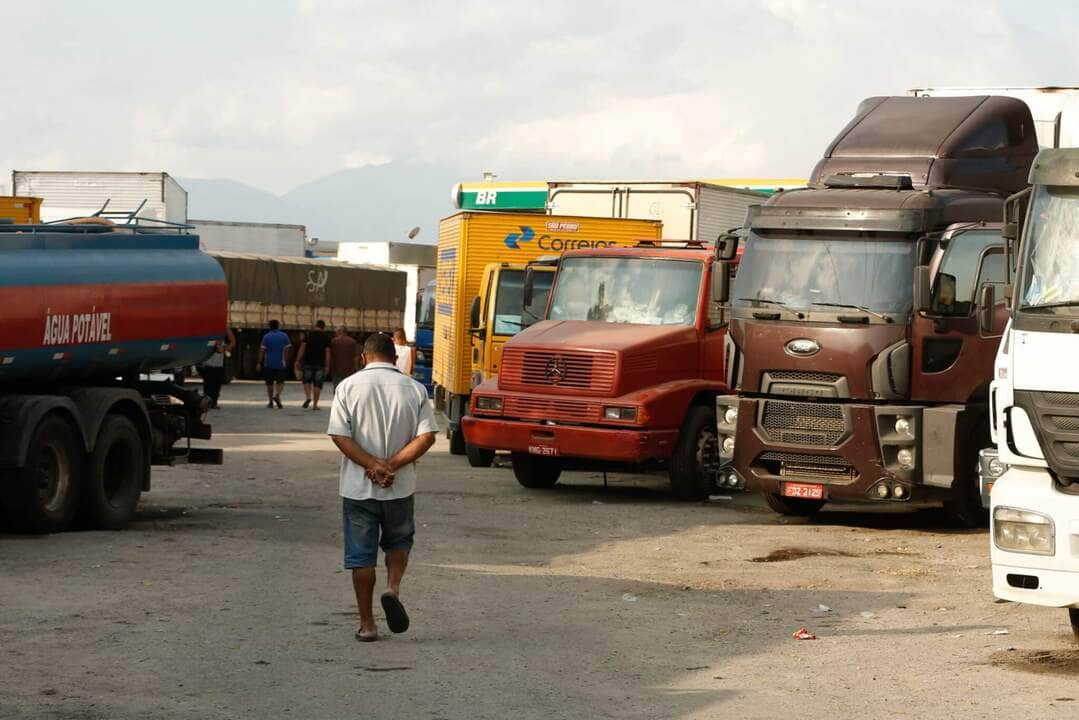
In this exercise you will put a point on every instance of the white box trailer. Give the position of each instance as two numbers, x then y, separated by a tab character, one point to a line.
416	260
1055	108
690	210
256	238
67	194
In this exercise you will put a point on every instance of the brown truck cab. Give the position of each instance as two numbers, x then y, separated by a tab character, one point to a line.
858	345
622	374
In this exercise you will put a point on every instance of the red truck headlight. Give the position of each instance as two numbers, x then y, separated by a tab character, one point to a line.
489	403
623	414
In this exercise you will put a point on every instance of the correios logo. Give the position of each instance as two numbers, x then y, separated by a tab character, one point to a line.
546	241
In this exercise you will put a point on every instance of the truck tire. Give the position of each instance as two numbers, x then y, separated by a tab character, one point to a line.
1073	618
43	495
536	472
793	507
457	441
696	457
114	475
479	457
963	506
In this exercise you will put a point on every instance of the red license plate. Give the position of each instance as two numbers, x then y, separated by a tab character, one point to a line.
543	450
803	490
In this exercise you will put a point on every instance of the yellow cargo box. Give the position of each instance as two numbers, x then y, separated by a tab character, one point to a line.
20	210
467	242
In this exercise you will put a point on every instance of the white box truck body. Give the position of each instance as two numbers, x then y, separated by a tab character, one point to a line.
1055	108
71	194
690	210
256	238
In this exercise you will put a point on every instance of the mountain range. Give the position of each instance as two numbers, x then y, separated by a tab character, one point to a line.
367	204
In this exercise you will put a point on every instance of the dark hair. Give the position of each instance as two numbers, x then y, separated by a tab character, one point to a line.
274	325
381	345
320	324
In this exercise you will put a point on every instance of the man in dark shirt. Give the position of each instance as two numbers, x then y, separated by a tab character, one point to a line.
344	357
313	362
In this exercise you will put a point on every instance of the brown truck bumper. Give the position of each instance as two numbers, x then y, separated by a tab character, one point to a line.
855	452
570	441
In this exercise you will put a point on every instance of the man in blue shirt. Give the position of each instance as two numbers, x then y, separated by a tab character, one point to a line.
272	357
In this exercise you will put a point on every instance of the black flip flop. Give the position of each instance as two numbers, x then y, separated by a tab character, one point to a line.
396	617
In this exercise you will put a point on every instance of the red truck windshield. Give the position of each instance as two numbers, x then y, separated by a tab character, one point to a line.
646	291
813	274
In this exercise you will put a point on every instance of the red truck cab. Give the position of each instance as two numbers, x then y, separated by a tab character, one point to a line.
622	374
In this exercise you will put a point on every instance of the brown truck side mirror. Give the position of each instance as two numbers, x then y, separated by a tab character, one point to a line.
474	316
922	289
987	309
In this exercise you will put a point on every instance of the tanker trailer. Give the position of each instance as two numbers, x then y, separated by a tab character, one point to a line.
88	312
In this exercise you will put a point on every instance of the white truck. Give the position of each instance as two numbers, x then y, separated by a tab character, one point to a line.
690	210
1032	475
66	194
416	260
250	237
1055	108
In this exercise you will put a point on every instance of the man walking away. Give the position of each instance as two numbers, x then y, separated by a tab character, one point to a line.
272	356
344	358
313	362
213	370
382	423
404	352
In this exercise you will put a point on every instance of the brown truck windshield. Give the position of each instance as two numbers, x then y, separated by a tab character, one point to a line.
1051	251
645	291
820	274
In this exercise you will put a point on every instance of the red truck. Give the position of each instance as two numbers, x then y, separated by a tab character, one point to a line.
864	325
623	373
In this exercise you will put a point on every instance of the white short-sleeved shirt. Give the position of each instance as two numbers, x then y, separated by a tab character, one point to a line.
382	410
404	358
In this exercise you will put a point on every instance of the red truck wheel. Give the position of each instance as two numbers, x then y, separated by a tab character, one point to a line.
696	458
42	496
114	476
536	472
479	457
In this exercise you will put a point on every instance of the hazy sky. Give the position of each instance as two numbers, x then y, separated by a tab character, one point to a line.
276	93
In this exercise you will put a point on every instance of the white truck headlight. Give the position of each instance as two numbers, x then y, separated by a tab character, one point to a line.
1023	531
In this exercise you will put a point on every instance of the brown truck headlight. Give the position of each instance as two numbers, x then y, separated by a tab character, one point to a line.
489	403
628	414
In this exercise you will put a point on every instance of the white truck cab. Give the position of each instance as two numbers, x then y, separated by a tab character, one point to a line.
1031	477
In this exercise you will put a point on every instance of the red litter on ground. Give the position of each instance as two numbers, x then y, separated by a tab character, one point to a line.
803	634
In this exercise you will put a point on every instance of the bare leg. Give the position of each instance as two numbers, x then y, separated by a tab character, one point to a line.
317	392
280	389
307	390
269	391
396	562
363	582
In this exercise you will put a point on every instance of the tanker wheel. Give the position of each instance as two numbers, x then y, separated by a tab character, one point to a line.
43	495
479	457
115	475
536	472
1073	618
457	441
696	457
795	507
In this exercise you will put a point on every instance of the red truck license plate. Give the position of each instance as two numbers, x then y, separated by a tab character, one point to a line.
543	450
803	490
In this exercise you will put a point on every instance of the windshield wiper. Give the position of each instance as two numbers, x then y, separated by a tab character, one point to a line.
788	308
885	318
1063	303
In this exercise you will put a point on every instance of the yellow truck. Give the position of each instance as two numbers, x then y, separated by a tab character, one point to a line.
20	210
479	276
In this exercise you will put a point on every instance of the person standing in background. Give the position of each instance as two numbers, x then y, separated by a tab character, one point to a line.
404	352
213	370
272	351
313	362
344	358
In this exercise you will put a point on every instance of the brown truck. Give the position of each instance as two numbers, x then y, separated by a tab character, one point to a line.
857	345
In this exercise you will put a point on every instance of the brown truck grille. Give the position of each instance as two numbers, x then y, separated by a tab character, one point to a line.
825	468
593	372
548	408
821	424
799	376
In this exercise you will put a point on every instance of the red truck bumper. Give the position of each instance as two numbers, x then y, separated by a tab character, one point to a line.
570	441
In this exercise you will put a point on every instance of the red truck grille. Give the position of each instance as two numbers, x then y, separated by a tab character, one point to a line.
547	408
593	372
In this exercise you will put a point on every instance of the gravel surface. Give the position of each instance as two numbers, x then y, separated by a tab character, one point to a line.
226	599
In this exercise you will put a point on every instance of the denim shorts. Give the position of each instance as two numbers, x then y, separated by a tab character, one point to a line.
365	520
313	375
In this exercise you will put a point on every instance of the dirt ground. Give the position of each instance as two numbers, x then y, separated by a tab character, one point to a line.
227	600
